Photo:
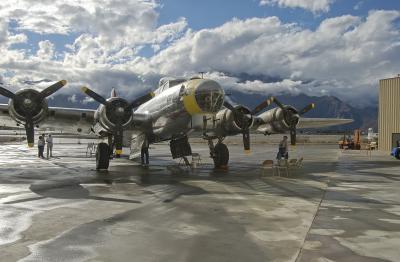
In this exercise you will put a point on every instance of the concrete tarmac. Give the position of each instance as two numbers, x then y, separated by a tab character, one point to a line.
340	206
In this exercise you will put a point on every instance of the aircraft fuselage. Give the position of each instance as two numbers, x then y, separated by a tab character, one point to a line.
172	109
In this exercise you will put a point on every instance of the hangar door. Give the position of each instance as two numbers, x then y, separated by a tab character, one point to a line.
395	138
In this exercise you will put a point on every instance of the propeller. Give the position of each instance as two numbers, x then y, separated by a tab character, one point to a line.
94	95
28	103
141	100
245	119
292	116
6	93
118	111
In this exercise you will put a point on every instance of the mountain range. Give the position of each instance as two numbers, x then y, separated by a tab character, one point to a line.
325	106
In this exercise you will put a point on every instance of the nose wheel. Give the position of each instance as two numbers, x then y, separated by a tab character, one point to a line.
221	156
219	153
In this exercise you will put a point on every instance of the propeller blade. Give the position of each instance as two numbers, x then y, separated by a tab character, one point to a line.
6	93
30	133
53	88
246	140
306	108
293	136
229	106
118	139
141	100
94	95
277	102
263	105
234	110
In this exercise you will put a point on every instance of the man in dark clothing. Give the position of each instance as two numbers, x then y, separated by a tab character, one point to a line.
41	144
145	152
283	149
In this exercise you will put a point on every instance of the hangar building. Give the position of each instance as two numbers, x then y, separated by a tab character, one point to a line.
389	113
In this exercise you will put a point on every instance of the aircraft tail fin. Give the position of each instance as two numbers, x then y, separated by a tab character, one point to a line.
113	92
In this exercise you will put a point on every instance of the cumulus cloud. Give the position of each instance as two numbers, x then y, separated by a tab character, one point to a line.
314	6
7	38
108	17
46	50
343	56
105	34
255	86
113	23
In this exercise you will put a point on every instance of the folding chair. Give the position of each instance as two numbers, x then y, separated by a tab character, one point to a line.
90	149
184	161
282	165
292	162
196	160
267	165
299	162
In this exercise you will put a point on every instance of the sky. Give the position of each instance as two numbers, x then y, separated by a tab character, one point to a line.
317	47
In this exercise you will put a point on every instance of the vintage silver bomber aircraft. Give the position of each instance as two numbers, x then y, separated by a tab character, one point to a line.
177	109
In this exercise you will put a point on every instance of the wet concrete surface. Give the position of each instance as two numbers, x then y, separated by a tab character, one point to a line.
340	206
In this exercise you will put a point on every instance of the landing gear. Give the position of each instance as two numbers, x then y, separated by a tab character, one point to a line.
221	156
219	153
111	143
102	156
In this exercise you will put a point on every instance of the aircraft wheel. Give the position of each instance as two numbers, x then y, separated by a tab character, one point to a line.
221	156
102	156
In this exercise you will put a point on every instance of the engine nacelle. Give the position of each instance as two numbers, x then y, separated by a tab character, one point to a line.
117	111
278	120
231	124
28	103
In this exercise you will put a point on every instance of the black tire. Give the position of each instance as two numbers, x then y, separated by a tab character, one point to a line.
102	156
397	154
221	156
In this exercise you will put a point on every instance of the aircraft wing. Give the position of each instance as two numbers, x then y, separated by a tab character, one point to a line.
5	119
322	122
59	118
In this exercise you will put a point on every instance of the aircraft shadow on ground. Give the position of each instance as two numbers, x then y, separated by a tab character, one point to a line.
71	188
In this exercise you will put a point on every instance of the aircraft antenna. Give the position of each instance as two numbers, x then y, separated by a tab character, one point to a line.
202	73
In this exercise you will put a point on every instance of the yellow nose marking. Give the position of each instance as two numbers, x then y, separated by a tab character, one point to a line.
189	100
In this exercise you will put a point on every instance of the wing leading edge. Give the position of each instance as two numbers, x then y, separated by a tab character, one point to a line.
58	118
322	122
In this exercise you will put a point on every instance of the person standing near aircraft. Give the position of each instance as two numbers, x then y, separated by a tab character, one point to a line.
49	141
145	152
41	143
283	149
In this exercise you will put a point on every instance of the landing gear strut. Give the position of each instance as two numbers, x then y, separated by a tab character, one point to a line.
219	153
111	143
102	156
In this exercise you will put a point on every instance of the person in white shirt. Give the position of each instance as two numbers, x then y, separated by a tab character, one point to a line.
49	141
283	149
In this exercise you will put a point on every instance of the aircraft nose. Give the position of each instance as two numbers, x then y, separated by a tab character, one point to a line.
209	96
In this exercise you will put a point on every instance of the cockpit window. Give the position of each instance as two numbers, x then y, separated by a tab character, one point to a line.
209	96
